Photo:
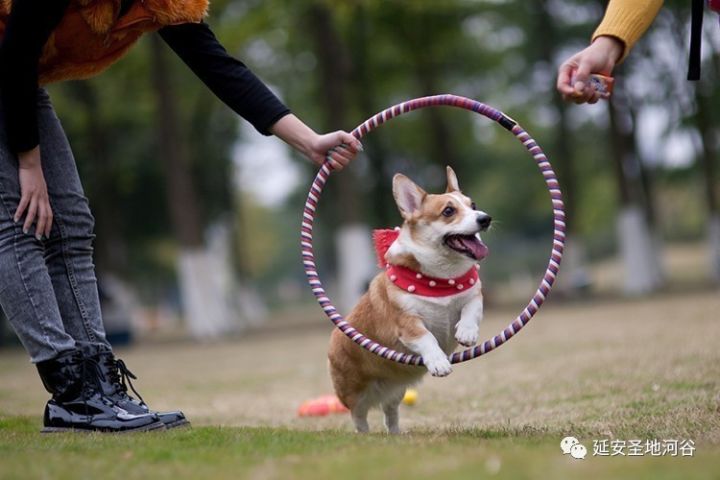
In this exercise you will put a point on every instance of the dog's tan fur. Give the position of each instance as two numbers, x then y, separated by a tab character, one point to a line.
399	320
379	317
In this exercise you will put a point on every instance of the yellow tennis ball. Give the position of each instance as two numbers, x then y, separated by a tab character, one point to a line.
410	397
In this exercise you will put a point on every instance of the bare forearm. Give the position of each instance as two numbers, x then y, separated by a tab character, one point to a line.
291	130
338	147
29	158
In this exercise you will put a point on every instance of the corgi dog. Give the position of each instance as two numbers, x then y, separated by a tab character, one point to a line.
426	302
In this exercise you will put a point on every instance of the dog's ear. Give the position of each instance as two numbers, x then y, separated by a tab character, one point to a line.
452	181
408	196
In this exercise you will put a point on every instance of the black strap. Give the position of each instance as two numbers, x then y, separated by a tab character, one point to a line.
695	40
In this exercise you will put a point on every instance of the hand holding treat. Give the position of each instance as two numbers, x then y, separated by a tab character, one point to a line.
600	84
585	77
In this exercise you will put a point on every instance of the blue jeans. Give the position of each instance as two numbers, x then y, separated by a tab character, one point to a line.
48	289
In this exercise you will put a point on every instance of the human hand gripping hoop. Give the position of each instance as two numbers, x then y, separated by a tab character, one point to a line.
545	284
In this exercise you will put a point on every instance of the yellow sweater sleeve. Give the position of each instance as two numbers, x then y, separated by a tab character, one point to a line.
627	20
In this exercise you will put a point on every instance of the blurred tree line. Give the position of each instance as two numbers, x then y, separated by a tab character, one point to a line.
156	150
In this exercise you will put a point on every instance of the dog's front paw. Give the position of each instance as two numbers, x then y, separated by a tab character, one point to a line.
438	364
466	334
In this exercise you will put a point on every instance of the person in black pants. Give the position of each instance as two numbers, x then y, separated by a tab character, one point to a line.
48	289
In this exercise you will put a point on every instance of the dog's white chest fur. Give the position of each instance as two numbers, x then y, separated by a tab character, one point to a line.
439	314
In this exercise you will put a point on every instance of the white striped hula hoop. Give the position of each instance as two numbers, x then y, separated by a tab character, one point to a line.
546	283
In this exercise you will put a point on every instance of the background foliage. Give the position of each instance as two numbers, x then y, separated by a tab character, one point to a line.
335	63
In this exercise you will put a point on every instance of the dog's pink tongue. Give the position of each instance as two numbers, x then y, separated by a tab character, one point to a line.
478	248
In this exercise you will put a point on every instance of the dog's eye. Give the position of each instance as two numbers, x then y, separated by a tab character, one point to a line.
448	212
473	206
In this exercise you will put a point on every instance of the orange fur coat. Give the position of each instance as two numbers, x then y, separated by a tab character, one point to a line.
90	37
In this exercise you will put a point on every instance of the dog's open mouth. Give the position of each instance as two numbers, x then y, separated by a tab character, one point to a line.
469	245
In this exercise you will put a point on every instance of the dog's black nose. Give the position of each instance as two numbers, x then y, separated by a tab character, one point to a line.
484	221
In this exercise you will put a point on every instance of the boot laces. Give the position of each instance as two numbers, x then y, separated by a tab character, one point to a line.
121	377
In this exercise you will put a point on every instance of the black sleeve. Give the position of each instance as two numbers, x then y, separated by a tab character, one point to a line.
228	78
30	24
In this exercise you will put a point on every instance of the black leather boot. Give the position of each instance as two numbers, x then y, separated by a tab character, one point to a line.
78	403
114	383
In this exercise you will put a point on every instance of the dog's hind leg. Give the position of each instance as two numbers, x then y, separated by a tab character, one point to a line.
391	406
353	391
359	413
392	418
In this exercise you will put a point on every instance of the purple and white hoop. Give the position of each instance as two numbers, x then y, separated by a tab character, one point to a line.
545	284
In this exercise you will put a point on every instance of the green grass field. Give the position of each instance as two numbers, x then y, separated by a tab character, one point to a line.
262	452
642	369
